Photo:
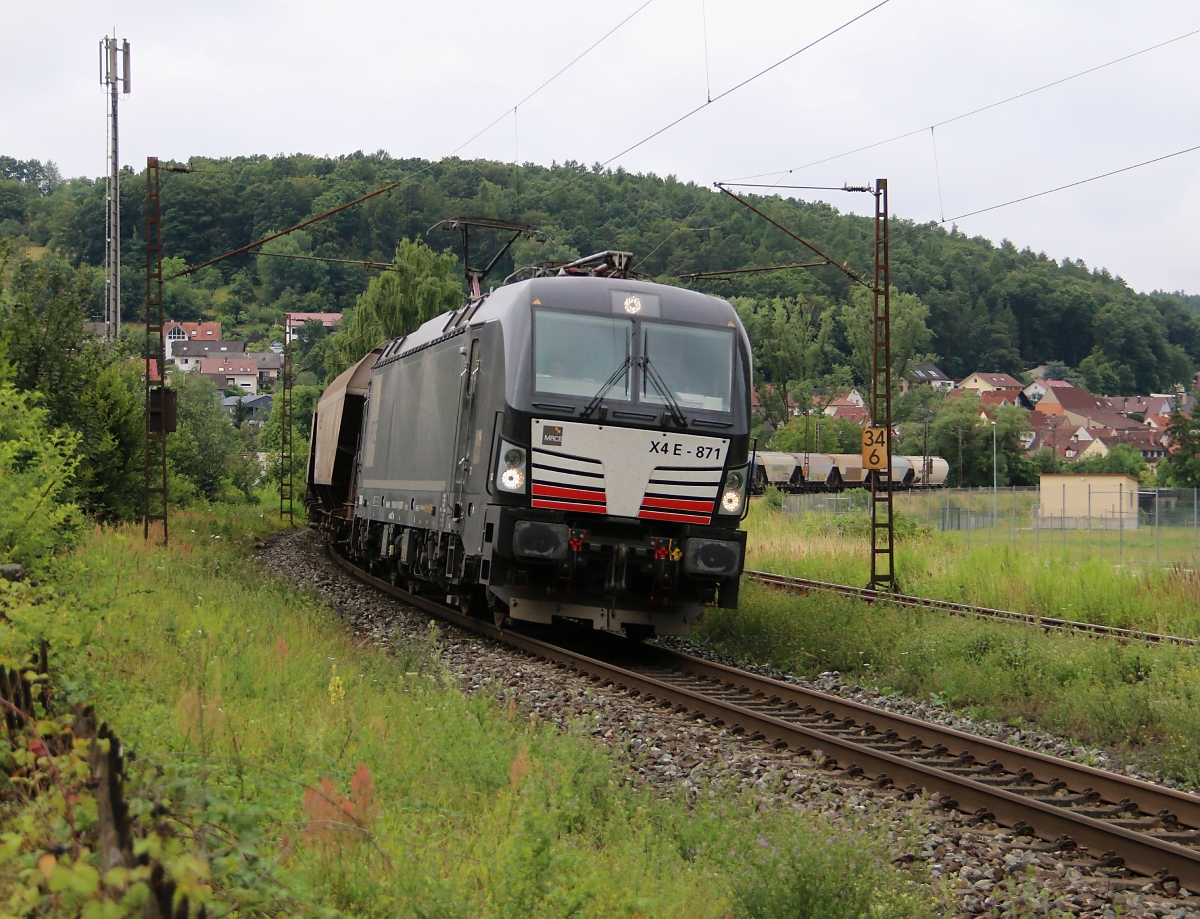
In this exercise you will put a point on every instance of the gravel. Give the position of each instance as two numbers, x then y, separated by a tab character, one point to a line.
831	682
982	869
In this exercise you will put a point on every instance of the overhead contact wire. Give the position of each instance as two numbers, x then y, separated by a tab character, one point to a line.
1051	191
746	82
241	250
976	111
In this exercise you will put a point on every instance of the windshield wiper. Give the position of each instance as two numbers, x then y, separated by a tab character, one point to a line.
657	382
608	384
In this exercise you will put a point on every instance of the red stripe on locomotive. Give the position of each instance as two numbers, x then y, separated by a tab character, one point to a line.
678	504
577	494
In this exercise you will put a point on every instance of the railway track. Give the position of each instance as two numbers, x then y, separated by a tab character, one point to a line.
1048	623
1109	820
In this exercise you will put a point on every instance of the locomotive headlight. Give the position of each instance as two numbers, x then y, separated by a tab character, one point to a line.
733	494
512	479
510	472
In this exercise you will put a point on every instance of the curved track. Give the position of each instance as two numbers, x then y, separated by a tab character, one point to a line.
1048	623
1151	830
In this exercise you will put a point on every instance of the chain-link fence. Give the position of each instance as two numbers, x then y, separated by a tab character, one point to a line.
1140	524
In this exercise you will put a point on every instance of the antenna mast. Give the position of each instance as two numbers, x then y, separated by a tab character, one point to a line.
114	76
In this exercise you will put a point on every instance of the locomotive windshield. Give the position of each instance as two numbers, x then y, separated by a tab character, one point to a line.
576	354
695	364
592	356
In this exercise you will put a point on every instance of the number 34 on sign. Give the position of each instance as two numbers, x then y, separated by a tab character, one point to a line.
874	448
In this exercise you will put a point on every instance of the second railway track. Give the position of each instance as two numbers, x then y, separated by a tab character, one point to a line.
1115	820
1049	623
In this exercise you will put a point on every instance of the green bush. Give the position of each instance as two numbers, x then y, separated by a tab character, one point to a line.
36	467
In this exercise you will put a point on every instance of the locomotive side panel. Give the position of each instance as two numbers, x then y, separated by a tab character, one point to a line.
408	444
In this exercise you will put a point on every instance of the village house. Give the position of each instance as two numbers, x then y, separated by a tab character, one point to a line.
1078	407
176	332
188	354
851	406
256	408
237	370
270	365
990	382
1034	391
926	375
295	320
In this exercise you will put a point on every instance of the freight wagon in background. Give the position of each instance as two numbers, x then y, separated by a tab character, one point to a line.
797	473
573	446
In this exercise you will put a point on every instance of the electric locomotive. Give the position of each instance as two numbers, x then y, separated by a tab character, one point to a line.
568	447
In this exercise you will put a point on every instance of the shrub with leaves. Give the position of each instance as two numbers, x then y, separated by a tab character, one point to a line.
36	467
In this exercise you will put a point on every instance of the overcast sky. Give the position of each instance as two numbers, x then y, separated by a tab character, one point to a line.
220	78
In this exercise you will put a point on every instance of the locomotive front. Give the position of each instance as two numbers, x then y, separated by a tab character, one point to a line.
621	467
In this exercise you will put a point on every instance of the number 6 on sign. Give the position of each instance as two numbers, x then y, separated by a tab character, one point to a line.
874	448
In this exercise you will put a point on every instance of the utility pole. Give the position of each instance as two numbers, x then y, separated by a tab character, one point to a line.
994	477
114	76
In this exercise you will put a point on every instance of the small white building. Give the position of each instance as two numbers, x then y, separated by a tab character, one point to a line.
1101	500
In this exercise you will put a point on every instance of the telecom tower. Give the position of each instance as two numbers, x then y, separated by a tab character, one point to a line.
113	53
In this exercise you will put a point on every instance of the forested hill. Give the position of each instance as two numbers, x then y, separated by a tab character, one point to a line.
989	307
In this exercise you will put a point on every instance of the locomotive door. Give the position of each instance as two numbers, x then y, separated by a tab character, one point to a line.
464	444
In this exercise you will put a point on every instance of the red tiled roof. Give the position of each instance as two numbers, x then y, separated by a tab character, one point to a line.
1000	380
998	398
851	412
197	331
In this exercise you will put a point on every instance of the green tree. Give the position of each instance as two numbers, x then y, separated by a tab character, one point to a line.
958	435
1121	458
201	451
1182	464
1057	370
420	286
910	335
818	433
36	466
277	272
84	385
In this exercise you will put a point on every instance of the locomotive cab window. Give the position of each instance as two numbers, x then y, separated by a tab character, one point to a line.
576	354
695	364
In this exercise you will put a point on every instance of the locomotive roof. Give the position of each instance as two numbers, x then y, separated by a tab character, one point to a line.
586	294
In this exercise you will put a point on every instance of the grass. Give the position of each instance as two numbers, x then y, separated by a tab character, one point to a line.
1142	700
1079	582
252	697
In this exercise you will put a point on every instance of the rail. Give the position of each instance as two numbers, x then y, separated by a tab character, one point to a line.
1122	823
1048	623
